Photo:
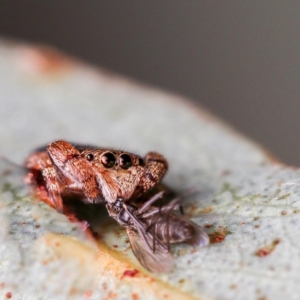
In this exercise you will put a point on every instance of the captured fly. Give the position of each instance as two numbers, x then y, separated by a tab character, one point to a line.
152	229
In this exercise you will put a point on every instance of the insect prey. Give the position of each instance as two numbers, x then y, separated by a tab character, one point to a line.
157	228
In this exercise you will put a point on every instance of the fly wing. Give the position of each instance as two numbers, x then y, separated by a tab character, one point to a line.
200	237
187	231
159	261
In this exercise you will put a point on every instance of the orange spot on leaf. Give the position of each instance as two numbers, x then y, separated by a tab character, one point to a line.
218	236
268	249
41	60
206	209
135	296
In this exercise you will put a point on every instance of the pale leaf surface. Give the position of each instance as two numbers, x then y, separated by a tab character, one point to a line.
245	200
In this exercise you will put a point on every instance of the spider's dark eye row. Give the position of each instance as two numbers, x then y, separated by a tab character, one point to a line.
141	161
108	160
125	161
90	157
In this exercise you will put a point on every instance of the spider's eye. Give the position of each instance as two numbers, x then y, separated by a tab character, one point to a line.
141	162
108	160
125	161
90	157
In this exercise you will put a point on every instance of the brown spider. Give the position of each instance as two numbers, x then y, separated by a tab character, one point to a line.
100	174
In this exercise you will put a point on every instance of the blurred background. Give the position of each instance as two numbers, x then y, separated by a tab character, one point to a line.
240	59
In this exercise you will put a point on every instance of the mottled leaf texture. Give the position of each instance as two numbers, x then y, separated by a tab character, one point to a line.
248	203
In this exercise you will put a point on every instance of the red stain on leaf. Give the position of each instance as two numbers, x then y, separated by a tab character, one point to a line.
218	236
268	249
8	295
130	273
88	293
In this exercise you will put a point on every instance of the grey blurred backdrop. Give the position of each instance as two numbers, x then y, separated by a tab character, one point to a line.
238	58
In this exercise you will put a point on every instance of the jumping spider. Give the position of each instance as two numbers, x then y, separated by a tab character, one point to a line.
101	175
117	179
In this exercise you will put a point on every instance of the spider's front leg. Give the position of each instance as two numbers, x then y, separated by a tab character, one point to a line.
73	169
155	169
43	175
